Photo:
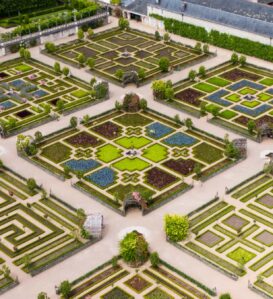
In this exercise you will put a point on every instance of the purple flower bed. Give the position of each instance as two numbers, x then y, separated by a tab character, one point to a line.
217	98
246	83
158	130
180	139
7	105
81	165
270	91
39	93
253	112
103	177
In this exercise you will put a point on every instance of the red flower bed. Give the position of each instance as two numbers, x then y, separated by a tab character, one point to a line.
182	166
84	139
190	96
243	120
237	74
266	119
159	178
108	129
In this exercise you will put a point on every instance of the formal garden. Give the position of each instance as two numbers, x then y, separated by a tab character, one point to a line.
38	230
151	278
119	153
236	95
234	234
115	53
32	94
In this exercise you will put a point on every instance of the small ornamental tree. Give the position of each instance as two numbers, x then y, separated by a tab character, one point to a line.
234	58
267	169
202	71
198	47
90	32
206	48
81	59
22	52
188	123
123	23
143	104
166	37
42	295
251	126
176	227
73	121
31	184
164	64
50	47
118	105
225	296
91	63
60	105
57	67
203	110
159	89
66	71
157	35
114	261
134	249
27	54
242	60
141	74
169	93
154	259
38	136
231	151
80	34
192	75
197	169
177	119
119	74
65	289
215	111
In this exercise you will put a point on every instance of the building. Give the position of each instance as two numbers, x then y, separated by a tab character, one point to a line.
238	17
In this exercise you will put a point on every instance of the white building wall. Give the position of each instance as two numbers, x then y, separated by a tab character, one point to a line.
202	23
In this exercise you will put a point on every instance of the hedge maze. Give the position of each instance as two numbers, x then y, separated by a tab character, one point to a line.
121	281
118	153
236	235
37	230
234	95
127	51
32	93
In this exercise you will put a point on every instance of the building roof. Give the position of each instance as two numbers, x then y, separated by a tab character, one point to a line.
94	221
241	14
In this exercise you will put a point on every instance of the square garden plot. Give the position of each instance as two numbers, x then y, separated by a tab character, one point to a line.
142	149
47	239
238	93
27	90
122	282
127	54
238	239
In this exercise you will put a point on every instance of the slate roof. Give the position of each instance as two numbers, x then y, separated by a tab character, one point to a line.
241	14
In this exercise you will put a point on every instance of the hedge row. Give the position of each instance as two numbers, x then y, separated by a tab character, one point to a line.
216	38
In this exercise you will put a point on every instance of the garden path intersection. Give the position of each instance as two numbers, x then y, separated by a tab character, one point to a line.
105	249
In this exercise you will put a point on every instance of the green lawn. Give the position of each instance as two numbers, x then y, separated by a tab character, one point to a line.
80	93
247	90
228	114
131	164
133	120
205	87
250	104
234	98
133	142
108	153
241	255
23	68
267	81
56	152
218	81
207	153
264	97
155	153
